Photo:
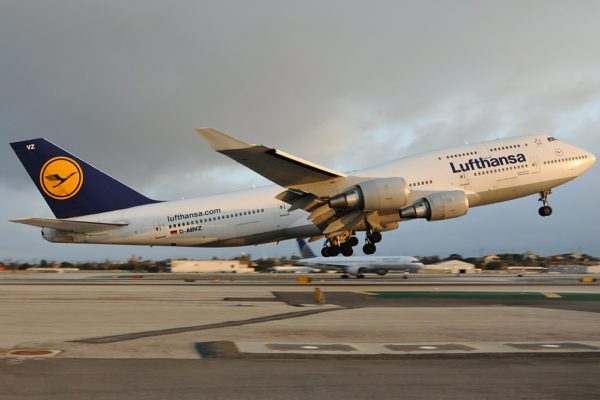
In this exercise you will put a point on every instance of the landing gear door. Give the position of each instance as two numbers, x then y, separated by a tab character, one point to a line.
160	231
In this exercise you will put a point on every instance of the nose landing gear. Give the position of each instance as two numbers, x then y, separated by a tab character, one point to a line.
546	210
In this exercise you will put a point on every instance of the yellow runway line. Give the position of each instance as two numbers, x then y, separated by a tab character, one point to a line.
552	295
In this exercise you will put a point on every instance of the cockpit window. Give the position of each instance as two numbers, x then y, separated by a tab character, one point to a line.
551	139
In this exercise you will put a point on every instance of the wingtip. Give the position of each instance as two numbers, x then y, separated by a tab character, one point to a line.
221	141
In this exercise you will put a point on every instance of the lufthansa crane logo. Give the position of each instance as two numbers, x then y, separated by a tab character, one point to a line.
61	178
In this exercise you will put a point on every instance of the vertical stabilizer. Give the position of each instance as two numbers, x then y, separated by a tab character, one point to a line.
70	186
305	251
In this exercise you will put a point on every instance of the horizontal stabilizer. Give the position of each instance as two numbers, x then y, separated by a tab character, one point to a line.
69	225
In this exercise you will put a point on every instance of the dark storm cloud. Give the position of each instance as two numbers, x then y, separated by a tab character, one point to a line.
346	84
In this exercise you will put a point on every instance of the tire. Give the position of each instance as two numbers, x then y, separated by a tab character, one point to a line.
369	248
347	250
545	211
334	251
353	240
376	237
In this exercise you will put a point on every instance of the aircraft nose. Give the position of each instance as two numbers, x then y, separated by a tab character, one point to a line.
592	159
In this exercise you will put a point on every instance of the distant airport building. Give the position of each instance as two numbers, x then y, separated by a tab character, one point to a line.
290	269
575	269
210	266
453	266
52	269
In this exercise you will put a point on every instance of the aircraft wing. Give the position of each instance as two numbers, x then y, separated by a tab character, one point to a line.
69	225
277	166
309	185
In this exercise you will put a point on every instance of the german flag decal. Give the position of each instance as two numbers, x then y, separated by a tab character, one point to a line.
173	233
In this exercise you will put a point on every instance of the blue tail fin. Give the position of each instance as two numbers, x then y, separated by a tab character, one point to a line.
305	251
70	186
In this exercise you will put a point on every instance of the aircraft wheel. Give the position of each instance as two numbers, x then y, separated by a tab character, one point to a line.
353	240
346	250
345	276
545	211
360	276
369	248
376	237
325	251
333	251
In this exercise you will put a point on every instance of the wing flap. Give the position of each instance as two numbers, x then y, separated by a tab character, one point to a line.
345	223
70	225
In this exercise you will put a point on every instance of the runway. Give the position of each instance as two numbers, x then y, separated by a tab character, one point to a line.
420	334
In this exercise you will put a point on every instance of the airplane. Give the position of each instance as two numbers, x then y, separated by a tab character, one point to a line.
358	265
307	200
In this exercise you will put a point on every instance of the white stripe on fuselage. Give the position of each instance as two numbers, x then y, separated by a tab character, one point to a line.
254	216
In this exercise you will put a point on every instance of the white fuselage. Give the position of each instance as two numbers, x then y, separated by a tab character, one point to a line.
359	265
489	172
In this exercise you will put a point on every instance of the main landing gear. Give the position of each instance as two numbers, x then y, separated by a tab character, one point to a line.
371	238
334	246
345	242
546	210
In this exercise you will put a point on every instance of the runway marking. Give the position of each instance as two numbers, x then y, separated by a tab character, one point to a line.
228	349
170	331
312	347
551	346
552	295
429	347
367	293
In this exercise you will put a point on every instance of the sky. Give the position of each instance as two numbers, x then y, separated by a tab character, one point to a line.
345	84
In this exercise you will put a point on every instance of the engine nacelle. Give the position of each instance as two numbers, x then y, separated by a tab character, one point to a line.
374	195
355	270
438	206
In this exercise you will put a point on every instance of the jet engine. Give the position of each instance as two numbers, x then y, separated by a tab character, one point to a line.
438	206
374	195
356	270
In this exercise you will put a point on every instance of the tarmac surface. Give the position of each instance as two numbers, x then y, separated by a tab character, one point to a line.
88	335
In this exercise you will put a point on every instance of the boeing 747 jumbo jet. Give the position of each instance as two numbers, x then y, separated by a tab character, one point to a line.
308	201
359	265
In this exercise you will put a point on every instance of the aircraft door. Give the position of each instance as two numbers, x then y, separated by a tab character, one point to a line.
535	165
160	230
283	209
464	179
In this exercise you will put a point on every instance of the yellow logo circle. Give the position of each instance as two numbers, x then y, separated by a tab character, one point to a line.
61	178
